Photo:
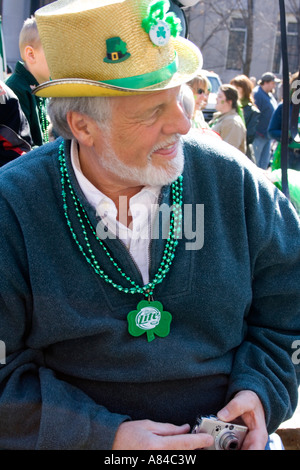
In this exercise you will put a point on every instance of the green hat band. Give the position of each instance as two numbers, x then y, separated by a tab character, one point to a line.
146	79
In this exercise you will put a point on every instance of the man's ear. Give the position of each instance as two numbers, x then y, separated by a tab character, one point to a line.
81	127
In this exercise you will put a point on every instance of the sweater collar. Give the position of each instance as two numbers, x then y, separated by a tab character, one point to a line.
22	70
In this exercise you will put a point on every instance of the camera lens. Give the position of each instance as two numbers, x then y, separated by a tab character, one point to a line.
229	442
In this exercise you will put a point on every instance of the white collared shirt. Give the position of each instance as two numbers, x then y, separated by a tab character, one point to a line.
142	207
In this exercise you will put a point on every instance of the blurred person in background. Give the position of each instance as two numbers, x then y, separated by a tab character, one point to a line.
201	88
266	103
15	137
31	71
244	87
227	121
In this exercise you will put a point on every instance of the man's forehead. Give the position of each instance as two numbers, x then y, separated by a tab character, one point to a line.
145	101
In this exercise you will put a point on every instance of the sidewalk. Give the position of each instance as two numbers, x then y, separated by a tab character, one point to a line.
289	431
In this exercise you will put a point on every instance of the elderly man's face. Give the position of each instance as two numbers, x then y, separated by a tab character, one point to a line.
144	146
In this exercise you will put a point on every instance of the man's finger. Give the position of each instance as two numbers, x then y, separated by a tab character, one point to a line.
255	441
187	442
167	429
243	402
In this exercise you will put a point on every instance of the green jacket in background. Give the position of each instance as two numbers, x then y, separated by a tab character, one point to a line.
22	82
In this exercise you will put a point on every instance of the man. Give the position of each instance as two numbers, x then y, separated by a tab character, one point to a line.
114	339
266	103
29	72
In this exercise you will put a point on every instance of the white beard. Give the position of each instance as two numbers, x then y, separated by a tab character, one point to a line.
150	175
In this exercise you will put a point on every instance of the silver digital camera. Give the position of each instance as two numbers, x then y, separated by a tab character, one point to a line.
227	436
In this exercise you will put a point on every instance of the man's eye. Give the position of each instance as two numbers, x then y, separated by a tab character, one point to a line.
153	115
154	112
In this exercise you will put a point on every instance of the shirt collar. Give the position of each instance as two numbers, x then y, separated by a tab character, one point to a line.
96	197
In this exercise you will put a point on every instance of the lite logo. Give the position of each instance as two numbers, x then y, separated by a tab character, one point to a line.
148	318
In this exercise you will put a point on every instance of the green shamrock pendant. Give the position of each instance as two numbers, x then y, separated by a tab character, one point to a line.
149	318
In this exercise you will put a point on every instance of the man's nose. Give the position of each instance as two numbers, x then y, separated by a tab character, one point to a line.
177	121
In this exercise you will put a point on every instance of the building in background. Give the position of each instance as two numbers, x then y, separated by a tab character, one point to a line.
243	36
235	36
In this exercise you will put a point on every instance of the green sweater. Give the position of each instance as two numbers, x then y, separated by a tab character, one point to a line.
22	82
73	373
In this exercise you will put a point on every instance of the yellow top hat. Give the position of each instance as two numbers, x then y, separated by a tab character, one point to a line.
113	48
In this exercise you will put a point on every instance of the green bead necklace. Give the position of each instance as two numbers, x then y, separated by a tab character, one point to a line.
44	121
149	317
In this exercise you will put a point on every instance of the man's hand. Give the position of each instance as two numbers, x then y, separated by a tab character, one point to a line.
149	435
247	405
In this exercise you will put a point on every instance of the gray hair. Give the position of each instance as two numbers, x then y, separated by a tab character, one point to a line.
187	100
98	108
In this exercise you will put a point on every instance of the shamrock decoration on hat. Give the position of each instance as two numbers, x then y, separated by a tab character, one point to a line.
149	318
161	25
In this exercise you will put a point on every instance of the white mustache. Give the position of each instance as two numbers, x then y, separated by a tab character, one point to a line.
171	141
